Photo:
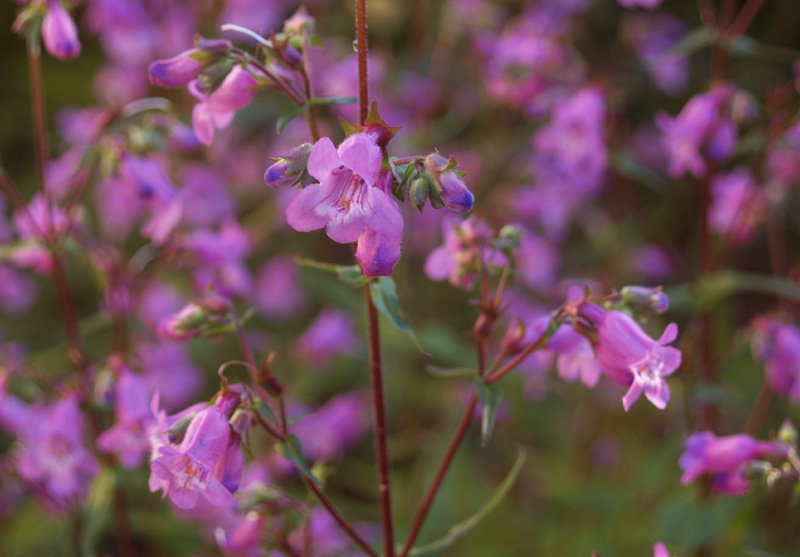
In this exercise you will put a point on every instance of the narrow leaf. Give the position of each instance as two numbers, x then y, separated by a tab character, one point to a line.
489	397
335	100
350	274
263	408
293	451
449	372
462	528
384	295
290	114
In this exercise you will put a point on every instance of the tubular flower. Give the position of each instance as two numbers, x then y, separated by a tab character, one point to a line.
187	472
59	33
630	357
348	199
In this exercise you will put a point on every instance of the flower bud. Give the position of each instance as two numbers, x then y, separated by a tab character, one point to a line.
418	193
59	32
183	325
211	76
642	298
788	433
176	71
514	338
298	22
213	46
448	187
289	169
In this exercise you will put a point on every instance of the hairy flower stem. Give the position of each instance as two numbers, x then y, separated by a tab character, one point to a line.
379	417
375	365
455	443
361	46
311	115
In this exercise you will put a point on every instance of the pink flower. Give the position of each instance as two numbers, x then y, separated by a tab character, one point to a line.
724	457
59	33
176	71
630	357
187	472
216	111
347	200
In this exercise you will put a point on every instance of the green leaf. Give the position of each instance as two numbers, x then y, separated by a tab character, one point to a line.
459	530
695	41
97	510
335	100
349	274
628	166
449	372
263	408
290	114
749	47
384	295
293	451
489	397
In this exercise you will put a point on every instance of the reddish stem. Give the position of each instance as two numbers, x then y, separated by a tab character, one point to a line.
422	512
745	17
379	417
361	46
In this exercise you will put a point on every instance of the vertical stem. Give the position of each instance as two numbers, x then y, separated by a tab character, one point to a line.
39	115
361	46
76	354
311	116
760	410
376	368
422	512
379	416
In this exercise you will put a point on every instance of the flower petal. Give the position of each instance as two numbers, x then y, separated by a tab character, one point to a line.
361	154
323	159
670	334
658	394
217	494
302	214
632	395
671	358
383	215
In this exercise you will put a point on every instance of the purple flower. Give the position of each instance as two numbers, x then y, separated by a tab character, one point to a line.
52	454
59	32
575	358
279	294
128	438
466	245
706	453
346	201
334	427
187	472
244	538
378	252
330	334
702	129
176	71
216	111
737	205
630	357
659	549
778	346
447	183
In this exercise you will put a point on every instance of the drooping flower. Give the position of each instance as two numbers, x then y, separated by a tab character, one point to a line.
467	245
378	252
59	33
777	345
187	471
176	71
449	187
346	201
706	453
738	206
628	356
52	454
216	111
128	438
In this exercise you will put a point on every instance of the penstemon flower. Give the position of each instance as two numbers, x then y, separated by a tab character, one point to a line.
630	357
59	33
348	199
